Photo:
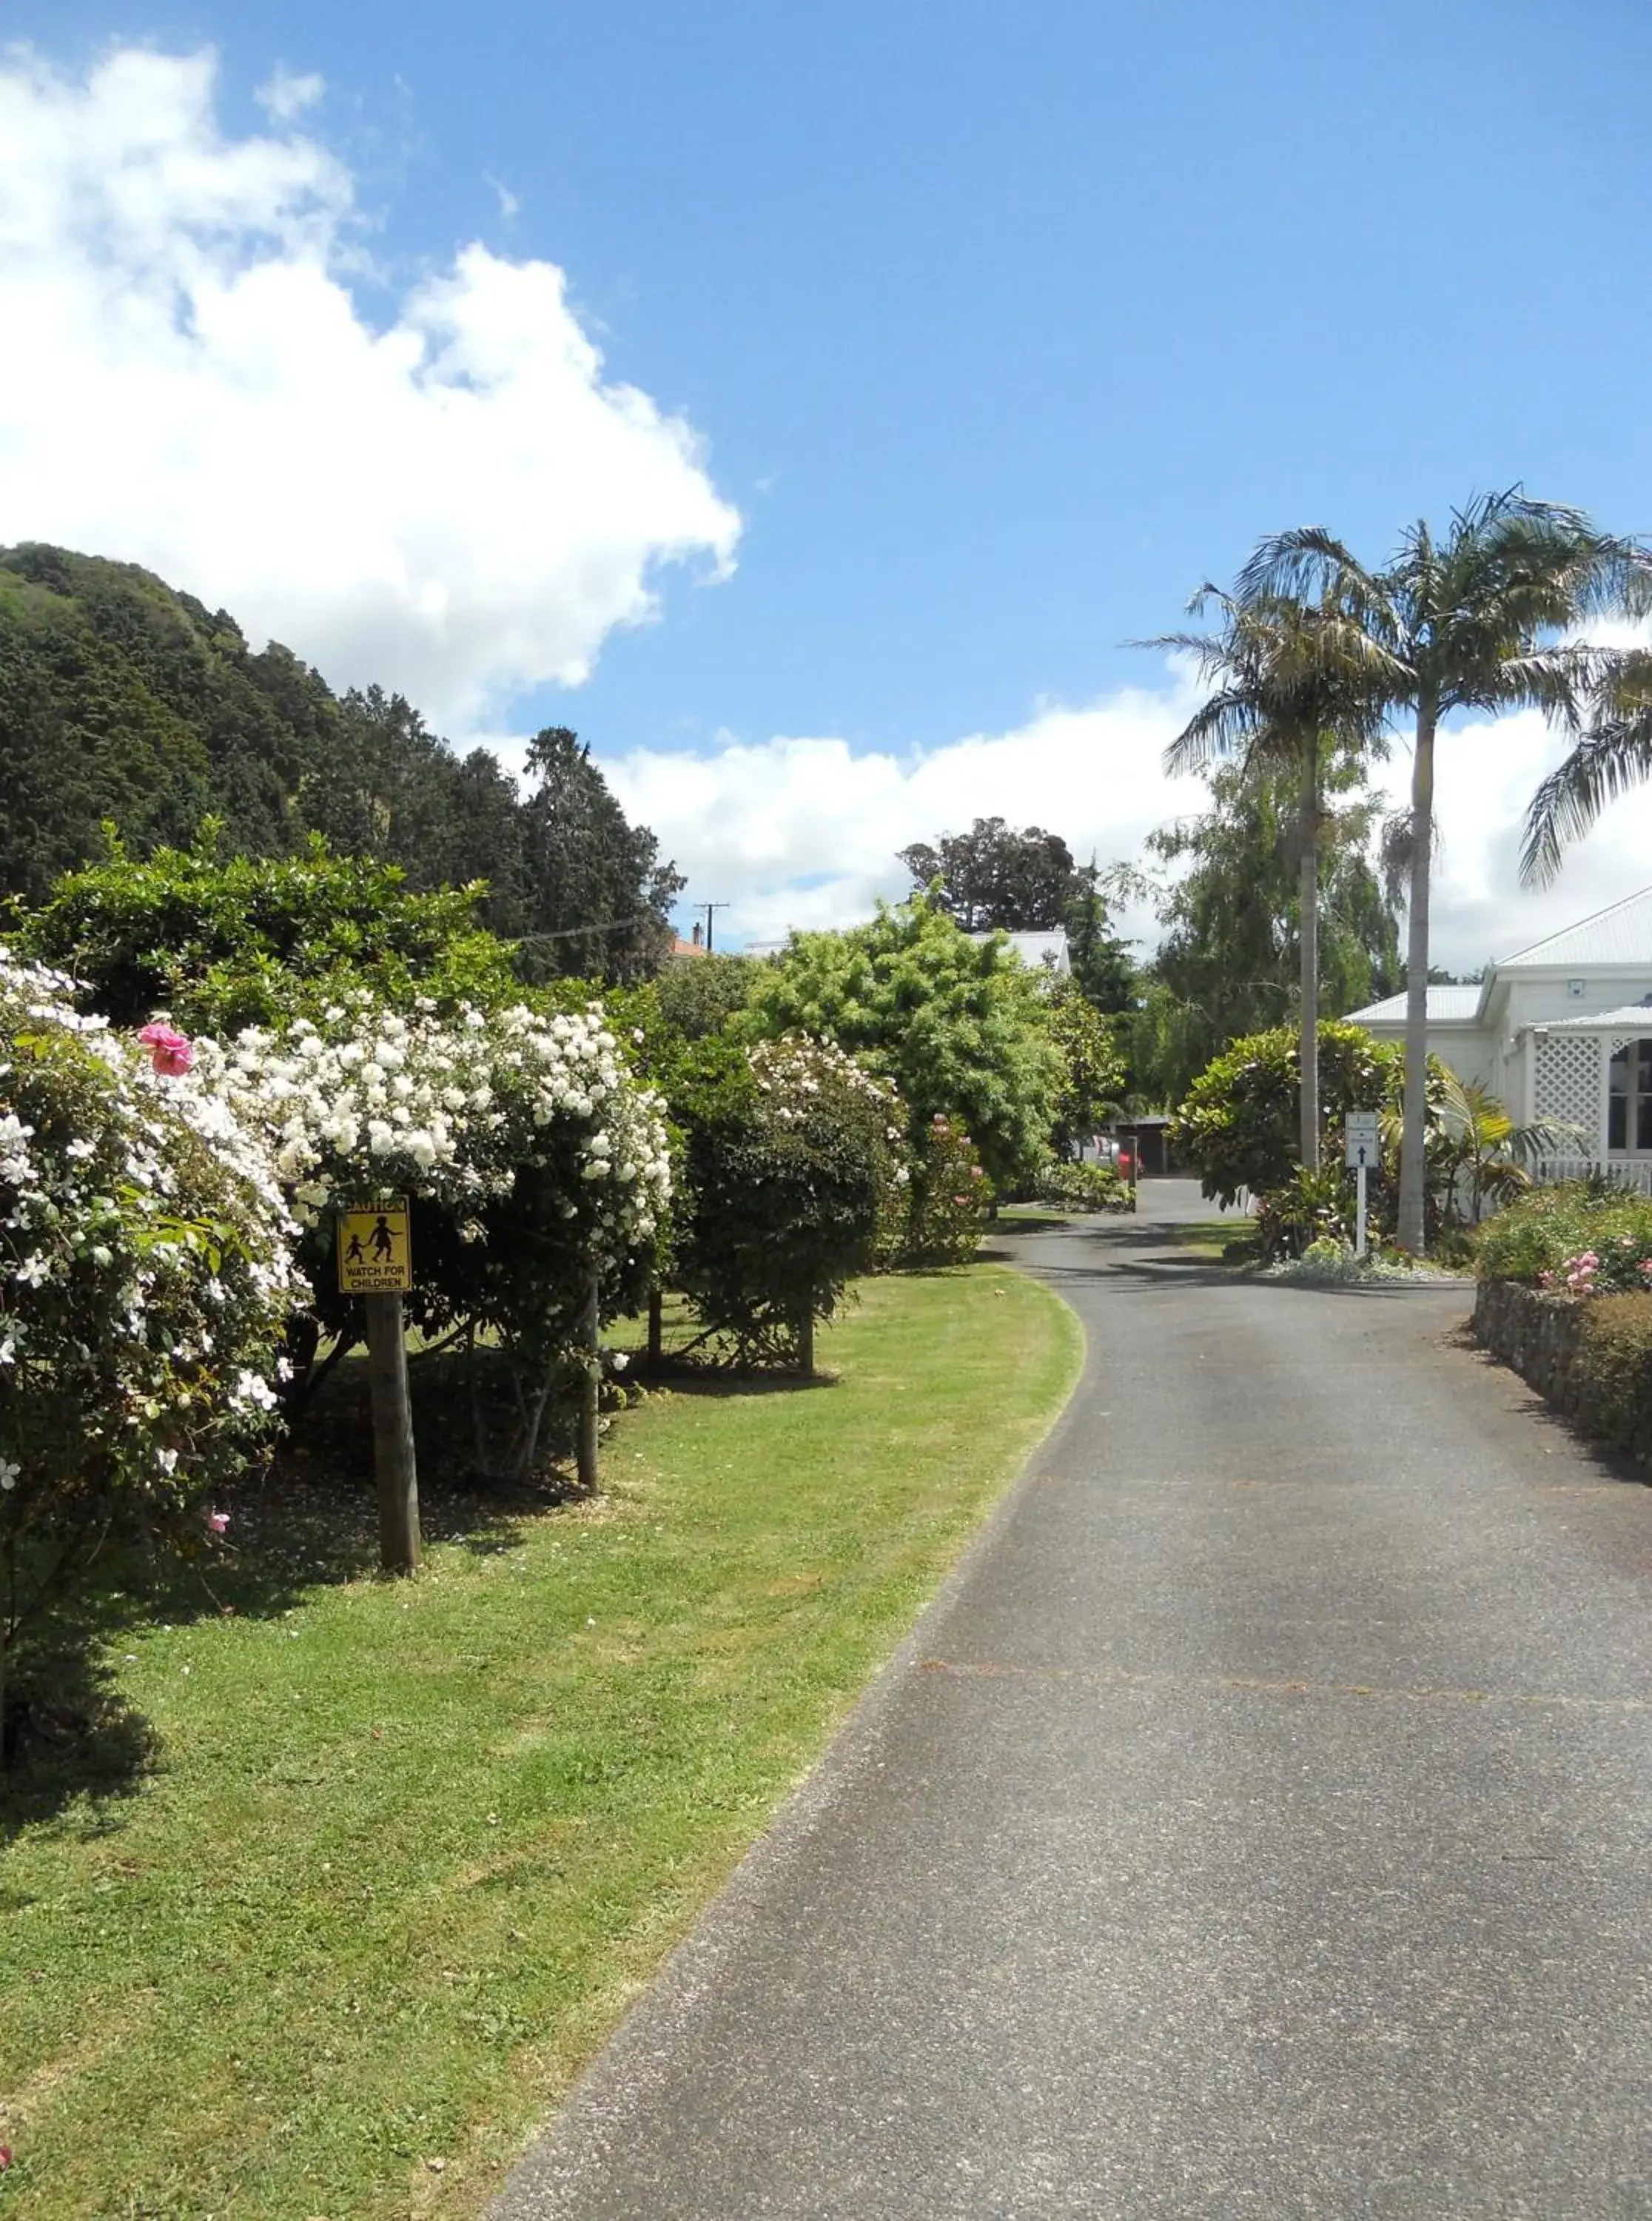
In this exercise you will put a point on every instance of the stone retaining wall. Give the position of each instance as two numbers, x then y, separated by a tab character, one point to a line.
1535	1334
1540	1337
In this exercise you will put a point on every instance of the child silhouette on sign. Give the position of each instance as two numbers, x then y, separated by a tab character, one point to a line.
354	1255
383	1241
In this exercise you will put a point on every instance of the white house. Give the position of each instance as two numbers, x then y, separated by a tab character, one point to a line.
1562	1029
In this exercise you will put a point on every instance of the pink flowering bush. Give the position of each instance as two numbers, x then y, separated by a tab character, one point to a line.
1621	1268
1581	1239
951	1196
145	1280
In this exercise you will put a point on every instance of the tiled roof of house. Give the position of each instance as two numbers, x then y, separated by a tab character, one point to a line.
1622	934
1447	1006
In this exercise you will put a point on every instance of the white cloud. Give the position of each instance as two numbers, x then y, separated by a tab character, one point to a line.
454	501
510	205
804	832
287	95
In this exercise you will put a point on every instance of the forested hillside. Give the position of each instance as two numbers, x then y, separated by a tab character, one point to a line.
122	700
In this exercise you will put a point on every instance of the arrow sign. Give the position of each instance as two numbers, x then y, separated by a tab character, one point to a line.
1359	1144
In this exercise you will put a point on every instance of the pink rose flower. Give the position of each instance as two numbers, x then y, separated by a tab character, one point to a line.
171	1051
217	1521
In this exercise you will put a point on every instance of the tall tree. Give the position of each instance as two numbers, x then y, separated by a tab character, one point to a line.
1475	619
993	876
1294	694
1613	753
1230	960
600	896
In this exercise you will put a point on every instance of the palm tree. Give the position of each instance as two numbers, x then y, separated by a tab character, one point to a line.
1476	619
1292	689
1613	753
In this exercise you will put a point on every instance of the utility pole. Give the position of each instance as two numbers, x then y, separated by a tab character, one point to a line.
708	908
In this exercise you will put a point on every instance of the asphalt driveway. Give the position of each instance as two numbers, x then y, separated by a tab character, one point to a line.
1258	1825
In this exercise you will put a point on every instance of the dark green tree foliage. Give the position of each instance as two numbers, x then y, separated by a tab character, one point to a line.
122	702
1229	963
1106	973
599	896
994	876
223	943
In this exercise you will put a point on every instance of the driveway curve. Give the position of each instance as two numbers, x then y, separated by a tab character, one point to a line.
1257	1825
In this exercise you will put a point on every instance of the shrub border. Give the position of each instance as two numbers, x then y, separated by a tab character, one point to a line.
1545	1338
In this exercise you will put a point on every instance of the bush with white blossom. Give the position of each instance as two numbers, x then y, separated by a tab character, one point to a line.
144	1278
531	1154
792	1165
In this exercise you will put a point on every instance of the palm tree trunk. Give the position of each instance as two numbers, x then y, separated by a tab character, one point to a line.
1308	905
1412	1139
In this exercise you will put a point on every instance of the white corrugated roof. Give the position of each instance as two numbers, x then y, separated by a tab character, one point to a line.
1627	1017
1622	934
1447	1006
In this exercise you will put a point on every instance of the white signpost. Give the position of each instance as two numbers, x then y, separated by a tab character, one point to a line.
1360	1148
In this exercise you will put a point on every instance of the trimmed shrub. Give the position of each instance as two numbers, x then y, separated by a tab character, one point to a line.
1611	1371
531	1157
789	1156
1083	1187
1239	1125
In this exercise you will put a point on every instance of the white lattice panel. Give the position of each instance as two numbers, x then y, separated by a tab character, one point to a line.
1567	1080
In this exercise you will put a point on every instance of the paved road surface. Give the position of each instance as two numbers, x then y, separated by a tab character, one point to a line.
1258	1826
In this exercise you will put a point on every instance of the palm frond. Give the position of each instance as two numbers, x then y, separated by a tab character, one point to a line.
1613	757
1307	563
1227	725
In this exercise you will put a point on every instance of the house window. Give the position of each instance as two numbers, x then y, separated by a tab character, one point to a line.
1629	1109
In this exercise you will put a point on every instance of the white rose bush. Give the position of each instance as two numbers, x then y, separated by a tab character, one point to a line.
533	1158
795	1160
146	1275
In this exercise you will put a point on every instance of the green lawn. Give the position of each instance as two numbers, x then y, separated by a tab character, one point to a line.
1225	1239
406	1851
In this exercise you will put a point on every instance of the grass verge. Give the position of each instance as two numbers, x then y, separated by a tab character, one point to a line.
407	1851
1229	1240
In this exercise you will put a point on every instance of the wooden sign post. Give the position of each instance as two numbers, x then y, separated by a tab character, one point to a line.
375	1263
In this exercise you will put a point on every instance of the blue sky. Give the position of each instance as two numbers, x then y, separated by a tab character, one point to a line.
999	330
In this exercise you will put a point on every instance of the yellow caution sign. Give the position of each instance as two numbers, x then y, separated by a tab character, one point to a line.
375	1249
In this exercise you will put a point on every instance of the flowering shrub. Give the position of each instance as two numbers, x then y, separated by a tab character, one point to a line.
530	1155
789	1164
1619	1269
951	1196
1574	1239
143	1281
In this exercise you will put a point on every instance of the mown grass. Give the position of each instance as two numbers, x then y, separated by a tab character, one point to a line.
1228	1241
407	1851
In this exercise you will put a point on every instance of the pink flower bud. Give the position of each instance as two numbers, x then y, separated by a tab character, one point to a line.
217	1521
